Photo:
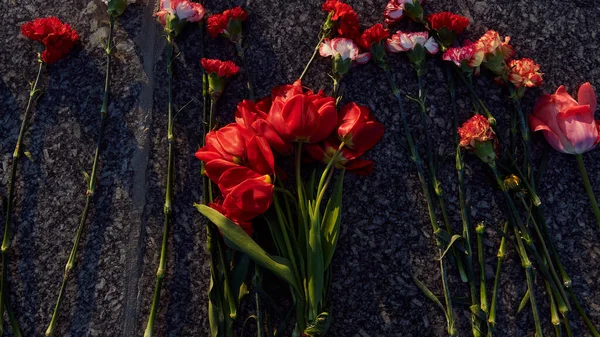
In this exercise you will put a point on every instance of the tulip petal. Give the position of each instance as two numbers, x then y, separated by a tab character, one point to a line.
578	125
562	99
263	128
260	156
587	96
233	177
361	167
537	124
215	169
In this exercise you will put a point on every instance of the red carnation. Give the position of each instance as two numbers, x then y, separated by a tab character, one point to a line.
476	135
345	16
57	37
375	34
453	22
221	68
227	23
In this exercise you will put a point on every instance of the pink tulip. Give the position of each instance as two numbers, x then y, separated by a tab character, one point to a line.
568	125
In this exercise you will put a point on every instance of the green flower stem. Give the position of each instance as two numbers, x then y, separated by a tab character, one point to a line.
432	216
480	229
475	97
464	208
337	79
16	328
567	326
588	187
525	134
431	162
526	263
554	318
556	289
501	256
92	181
583	315
242	55
168	210
546	255
11	188
312	58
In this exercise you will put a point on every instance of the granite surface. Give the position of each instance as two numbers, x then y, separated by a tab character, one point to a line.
385	232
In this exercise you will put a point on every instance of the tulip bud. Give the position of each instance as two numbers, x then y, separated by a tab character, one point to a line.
116	7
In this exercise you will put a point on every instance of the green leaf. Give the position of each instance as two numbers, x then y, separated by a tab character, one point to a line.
239	240
315	270
86	177
454	239
28	154
480	314
238	274
310	186
431	296
524	301
330	226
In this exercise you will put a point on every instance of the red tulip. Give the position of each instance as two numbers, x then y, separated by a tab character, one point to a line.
358	129
568	125
233	146
346	158
302	117
252	116
245	201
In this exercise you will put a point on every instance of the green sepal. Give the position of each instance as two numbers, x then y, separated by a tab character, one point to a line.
116	7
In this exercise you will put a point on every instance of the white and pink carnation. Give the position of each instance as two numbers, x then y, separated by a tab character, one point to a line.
182	9
344	48
403	42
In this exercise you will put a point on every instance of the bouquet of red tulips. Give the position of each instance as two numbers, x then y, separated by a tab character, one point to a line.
240	159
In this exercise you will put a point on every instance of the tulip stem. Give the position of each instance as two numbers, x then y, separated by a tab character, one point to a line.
432	216
312	58
92	181
239	48
11	188
167	210
588	187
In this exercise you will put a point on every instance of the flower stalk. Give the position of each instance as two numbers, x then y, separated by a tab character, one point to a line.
167	210
432	216
11	187
239	48
92	179
588	187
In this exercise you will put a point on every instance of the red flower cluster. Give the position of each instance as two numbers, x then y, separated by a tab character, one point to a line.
345	16
226	23
240	162
57	37
373	35
450	21
221	68
524	73
359	132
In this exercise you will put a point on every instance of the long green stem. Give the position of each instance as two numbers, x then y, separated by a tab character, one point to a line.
11	188
16	328
525	134
583	315
588	187
167	210
501	256
526	263
432	216
482	288
91	184
464	208
312	58
242	55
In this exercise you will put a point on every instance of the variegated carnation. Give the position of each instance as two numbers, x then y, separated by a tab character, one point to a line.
524	73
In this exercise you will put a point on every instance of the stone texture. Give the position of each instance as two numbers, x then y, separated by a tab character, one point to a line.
385	234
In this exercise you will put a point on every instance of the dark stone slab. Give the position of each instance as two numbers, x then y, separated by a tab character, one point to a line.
385	233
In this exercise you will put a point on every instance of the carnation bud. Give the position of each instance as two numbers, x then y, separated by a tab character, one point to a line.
485	151
116	7
340	66
328	25
414	10
216	85
512	183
